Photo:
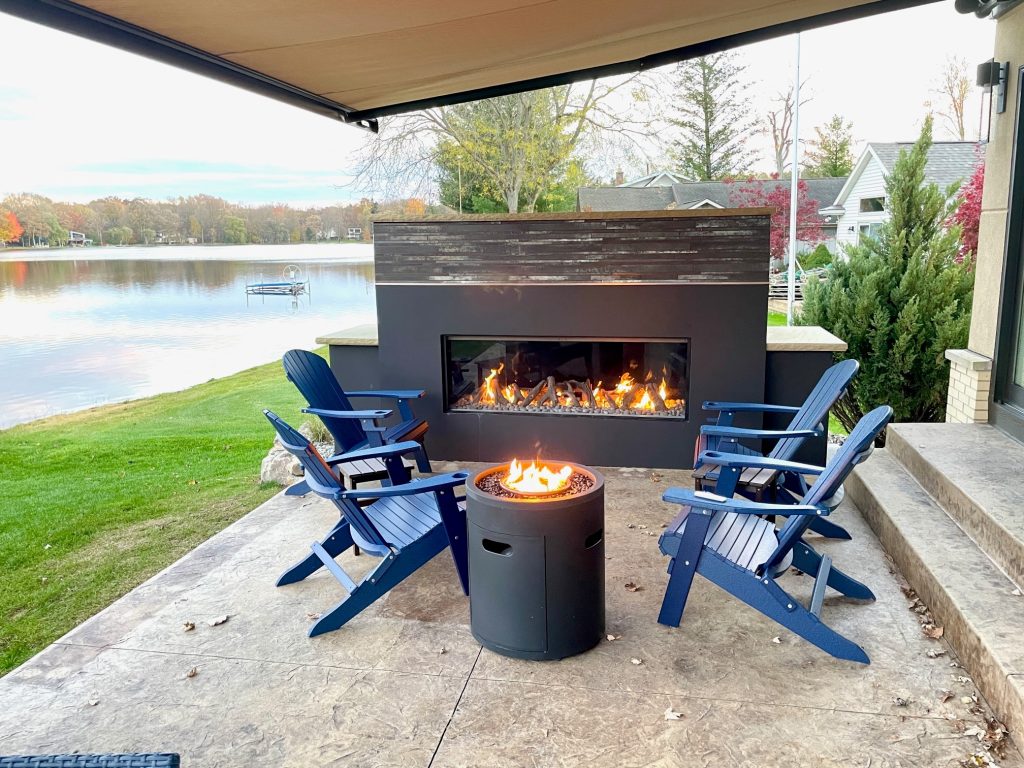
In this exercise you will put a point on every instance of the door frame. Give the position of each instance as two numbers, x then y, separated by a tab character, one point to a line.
1006	409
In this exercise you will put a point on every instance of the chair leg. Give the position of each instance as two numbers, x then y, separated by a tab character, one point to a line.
335	542
681	569
764	595
300	488
807	560
391	571
825	527
422	460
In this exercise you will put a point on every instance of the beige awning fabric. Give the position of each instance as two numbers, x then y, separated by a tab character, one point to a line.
361	60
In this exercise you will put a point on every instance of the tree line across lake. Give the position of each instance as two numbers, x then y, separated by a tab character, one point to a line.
34	220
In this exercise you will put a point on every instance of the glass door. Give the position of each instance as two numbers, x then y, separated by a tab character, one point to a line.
1010	365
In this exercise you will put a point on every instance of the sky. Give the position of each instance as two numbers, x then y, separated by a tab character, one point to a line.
80	120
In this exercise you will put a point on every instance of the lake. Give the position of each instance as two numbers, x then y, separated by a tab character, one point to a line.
84	327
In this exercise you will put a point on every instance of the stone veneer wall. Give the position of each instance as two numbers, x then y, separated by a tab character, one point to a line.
970	375
969	392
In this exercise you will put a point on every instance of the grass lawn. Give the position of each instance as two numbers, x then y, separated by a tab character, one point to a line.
93	503
776	318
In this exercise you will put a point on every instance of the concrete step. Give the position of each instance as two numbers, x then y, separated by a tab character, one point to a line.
967	593
975	473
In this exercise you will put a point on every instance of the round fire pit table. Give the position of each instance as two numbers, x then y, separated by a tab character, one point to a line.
536	564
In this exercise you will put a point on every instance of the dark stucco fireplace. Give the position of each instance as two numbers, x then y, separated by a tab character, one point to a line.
604	331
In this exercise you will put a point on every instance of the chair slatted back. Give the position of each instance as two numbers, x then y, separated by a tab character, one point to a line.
857	448
814	411
314	378
322	481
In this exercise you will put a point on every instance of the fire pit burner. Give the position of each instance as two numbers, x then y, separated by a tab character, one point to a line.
536	564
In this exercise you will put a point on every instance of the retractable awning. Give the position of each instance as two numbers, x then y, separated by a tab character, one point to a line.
358	61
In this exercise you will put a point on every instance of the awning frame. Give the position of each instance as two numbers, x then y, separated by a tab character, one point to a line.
86	22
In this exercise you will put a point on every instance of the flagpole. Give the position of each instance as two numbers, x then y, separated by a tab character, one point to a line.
793	182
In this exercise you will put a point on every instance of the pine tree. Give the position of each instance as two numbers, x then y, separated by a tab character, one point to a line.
830	152
713	119
900	301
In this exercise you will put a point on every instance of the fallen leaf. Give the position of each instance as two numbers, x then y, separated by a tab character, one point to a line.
777	640
963	679
47	546
642	527
219	620
655	476
636	661
188	626
671	714
1016	593
930	630
966	700
630	525
442	650
93	702
899	701
935	653
944	696
612	638
192	672
631	587
312	616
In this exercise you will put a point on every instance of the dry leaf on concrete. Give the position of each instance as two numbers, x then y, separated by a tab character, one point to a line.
671	714
932	631
934	653
632	587
630	525
312	616
642	527
944	696
188	626
219	620
93	702
442	650
612	638
192	672
1016	593
777	640
636	661
899	701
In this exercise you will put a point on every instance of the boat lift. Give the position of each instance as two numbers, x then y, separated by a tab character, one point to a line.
293	285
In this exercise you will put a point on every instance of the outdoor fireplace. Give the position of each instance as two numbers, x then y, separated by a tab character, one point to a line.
536	558
580	377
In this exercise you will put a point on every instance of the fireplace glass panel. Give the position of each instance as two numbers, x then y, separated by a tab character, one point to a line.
642	378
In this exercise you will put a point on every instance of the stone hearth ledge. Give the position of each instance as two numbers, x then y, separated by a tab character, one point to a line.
798	338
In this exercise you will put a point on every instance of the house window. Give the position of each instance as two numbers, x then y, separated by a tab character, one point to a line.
870	230
872	204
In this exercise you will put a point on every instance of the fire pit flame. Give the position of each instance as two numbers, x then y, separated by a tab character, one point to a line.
534	479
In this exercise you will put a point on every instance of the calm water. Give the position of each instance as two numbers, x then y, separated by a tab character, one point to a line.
123	323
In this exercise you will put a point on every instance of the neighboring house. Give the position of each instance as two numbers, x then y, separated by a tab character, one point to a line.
656	193
859	208
355	233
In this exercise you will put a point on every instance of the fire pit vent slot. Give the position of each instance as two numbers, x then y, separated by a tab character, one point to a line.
593	539
498	547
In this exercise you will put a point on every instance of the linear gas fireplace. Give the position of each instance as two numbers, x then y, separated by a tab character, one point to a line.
628	378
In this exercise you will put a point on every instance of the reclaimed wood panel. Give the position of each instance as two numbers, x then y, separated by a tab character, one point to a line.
661	247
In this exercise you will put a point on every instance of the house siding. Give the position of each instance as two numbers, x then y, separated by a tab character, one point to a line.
870	184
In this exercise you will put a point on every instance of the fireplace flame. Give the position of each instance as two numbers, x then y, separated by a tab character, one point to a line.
536	479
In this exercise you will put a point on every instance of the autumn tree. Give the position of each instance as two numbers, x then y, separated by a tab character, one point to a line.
830	152
779	126
10	227
712	120
773	193
967	216
516	144
953	88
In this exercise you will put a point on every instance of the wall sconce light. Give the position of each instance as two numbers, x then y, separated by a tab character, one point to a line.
849	229
994	74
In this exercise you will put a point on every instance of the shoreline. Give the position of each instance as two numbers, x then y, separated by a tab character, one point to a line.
363	253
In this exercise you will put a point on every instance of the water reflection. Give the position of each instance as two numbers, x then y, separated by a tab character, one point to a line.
76	333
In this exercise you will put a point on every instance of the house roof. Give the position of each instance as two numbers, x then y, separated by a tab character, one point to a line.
690	194
948	162
358	61
656	179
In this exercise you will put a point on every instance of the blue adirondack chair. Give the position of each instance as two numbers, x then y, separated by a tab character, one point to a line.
407	524
763	484
353	430
731	544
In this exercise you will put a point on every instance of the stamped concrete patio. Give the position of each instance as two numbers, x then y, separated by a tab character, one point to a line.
406	684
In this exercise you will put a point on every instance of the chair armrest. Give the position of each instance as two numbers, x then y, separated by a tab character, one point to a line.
396	394
435	483
720	405
714	502
756	434
381	413
376	452
720	459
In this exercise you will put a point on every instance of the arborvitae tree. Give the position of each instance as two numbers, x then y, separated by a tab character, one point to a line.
713	119
830	153
900	301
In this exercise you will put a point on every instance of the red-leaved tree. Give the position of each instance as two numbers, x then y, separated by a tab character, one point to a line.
968	214
10	227
775	193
